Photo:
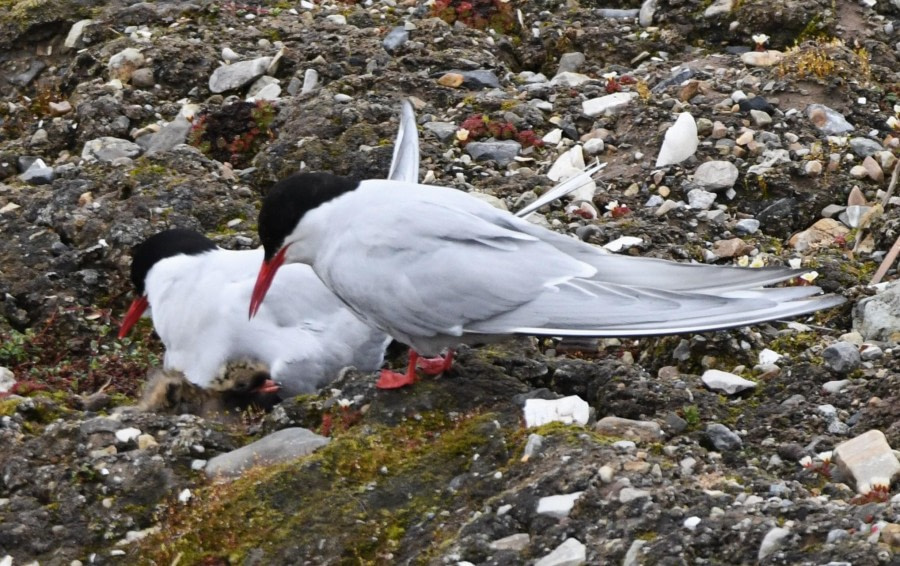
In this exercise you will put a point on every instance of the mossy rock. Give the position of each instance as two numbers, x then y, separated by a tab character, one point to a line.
29	21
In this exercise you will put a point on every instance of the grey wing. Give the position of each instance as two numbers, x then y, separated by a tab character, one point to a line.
591	308
405	163
663	274
445	269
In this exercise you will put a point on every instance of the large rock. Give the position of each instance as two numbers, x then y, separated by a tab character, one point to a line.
503	152
570	553
236	75
868	460
109	149
681	141
281	446
607	104
878	317
716	175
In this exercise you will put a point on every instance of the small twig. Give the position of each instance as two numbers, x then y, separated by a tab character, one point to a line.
892	185
104	386
887	262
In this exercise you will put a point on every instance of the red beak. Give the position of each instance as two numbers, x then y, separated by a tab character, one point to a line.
137	308
268	386
264	280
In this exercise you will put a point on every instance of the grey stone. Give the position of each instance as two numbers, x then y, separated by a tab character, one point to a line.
73	39
170	135
842	357
609	103
570	79
269	92
828	411
645	16
835	386
100	424
108	149
760	118
236	75
699	199
281	446
310	81
28	75
143	78
395	39
617	13
7	379
558	506
38	173
716	175
675	424
123	64
878	317
479	78
443	130
871	352
628	494
570	62
719	8
725	381
828	121
723	438
746	226
532	446
503	152
570	553
294	86
864	147
260	84
633	556
837	428
773	540
516	542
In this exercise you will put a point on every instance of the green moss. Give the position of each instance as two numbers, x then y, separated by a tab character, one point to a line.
8	407
327	496
794	343
146	173
692	416
22	14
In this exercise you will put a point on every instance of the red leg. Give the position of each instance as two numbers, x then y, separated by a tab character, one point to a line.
438	365
395	380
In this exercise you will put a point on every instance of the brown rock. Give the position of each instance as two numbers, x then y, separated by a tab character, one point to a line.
689	91
890	535
60	108
873	169
856	198
735	247
821	234
452	80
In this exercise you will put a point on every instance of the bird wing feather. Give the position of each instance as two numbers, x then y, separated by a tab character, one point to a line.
449	266
405	162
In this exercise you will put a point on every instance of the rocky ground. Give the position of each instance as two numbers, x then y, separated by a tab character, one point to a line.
797	146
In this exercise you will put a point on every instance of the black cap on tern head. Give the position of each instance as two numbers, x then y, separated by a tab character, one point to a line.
161	246
290	199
